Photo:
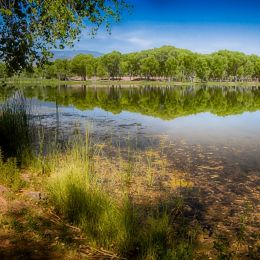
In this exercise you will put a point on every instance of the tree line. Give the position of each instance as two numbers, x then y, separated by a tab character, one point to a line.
165	63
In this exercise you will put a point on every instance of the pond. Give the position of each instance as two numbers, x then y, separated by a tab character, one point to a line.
212	134
224	121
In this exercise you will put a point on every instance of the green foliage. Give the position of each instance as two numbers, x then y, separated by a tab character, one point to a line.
222	246
101	71
149	67
31	28
173	68
218	65
111	62
3	73
61	68
83	65
202	68
257	68
133	64
189	62
77	196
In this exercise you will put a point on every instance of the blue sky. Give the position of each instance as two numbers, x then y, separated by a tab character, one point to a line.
199	25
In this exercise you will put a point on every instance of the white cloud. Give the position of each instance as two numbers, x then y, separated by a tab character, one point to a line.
140	42
199	38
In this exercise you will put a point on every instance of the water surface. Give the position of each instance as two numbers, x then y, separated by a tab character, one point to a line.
197	115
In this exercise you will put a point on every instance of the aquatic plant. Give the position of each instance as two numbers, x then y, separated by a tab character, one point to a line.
16	127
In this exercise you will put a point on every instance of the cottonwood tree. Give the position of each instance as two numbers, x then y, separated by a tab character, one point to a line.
257	69
2	70
101	71
83	65
218	67
62	68
111	62
172	67
202	68
180	65
149	67
29	29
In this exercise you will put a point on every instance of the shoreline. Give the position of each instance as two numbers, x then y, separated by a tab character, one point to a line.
128	83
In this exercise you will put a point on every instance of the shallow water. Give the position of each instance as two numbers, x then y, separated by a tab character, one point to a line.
210	133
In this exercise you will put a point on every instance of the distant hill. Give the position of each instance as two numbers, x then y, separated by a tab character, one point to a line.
68	54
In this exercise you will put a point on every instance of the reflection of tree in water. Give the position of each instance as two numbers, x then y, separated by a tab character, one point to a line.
163	102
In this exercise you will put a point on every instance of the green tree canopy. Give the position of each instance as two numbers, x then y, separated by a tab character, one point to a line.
149	66
202	68
31	28
83	65
112	63
165	62
2	70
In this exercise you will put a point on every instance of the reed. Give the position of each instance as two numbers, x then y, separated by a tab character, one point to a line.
16	128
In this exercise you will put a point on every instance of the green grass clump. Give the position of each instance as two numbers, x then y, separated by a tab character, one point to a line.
15	128
86	205
154	236
155	239
10	176
74	191
105	222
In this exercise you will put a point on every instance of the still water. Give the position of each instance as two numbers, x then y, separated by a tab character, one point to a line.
227	117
